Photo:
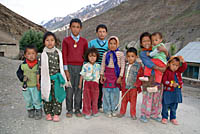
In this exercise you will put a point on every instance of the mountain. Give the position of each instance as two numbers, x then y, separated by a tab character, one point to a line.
12	25
59	23
177	20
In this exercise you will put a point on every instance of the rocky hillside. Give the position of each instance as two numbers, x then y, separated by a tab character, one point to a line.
59	23
12	25
178	20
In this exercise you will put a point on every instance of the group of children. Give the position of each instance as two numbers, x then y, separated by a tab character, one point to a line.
100	70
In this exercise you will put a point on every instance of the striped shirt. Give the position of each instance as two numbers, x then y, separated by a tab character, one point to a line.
101	46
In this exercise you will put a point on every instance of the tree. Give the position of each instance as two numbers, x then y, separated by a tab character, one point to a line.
173	49
32	37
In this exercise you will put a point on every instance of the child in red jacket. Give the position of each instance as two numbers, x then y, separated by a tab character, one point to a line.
173	83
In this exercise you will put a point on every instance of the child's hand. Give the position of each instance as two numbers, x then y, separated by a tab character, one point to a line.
38	86
102	79
147	53
80	86
175	84
181	59
119	80
67	75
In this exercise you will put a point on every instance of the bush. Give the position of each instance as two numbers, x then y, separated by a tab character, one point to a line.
173	49
32	37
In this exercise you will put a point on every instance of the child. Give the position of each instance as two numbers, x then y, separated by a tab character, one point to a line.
130	83
151	102
90	73
102	46
73	49
52	77
173	83
27	75
113	64
159	58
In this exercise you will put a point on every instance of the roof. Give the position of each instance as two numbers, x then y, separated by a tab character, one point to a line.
191	52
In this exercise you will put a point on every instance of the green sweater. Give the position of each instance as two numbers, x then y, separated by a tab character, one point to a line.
31	74
159	55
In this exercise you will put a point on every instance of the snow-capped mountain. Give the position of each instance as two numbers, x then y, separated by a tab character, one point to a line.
60	23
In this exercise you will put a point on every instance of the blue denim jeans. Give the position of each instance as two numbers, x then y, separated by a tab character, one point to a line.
110	99
172	107
32	98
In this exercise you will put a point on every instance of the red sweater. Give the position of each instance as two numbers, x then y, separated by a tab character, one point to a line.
168	77
71	55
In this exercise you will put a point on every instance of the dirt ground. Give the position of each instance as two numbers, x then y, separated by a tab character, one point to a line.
14	120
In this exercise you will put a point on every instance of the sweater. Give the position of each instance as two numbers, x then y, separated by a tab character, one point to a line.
102	48
168	77
120	61
155	54
73	55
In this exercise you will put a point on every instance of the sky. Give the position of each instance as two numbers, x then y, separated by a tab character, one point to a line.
43	10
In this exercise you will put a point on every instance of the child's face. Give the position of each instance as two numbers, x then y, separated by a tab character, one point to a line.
30	54
101	33
49	42
131	57
174	65
156	39
112	45
92	57
146	42
75	28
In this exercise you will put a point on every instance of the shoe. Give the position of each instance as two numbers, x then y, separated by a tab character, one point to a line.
144	78
120	115
109	115
152	89
134	117
38	114
143	119
56	118
96	115
48	117
114	114
174	121
156	119
31	113
101	110
69	115
78	113
87	117
164	121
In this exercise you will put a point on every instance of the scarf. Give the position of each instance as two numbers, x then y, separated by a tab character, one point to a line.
45	77
117	70
31	64
145	49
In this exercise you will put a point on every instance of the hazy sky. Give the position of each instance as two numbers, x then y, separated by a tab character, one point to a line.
39	10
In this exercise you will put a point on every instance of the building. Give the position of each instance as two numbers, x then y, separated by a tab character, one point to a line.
191	54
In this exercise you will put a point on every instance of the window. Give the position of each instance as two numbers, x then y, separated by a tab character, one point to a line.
191	72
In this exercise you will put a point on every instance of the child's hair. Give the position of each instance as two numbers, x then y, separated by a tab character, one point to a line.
157	33
131	50
32	46
49	34
76	20
145	34
174	58
91	51
101	26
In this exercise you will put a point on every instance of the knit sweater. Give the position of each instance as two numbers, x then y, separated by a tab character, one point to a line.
120	61
73	55
168	77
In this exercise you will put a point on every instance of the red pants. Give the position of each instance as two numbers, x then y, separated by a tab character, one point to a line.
131	97
90	97
158	74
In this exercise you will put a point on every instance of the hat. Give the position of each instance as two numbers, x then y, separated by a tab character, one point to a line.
113	37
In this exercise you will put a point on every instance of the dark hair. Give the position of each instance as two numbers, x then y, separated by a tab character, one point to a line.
157	33
32	46
89	51
76	20
176	59
101	26
131	50
145	34
49	34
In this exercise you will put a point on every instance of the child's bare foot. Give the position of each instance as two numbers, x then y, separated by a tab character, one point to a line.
144	78
152	89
